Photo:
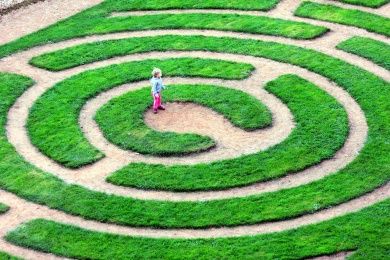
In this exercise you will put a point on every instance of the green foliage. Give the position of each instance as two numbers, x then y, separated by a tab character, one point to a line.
122	122
378	52
365	232
367	3
368	171
369	21
55	113
321	129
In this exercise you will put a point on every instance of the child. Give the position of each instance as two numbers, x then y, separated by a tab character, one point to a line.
157	87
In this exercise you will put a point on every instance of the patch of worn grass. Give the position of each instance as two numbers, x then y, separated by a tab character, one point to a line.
364	232
376	51
321	129
122	122
368	171
330	13
53	120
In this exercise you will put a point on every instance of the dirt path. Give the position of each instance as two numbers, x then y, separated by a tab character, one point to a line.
45	13
23	211
93	176
39	15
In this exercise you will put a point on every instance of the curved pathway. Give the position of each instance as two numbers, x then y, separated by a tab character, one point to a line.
93	176
266	70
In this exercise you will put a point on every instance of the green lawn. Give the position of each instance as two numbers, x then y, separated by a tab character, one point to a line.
365	233
321	129
367	3
3	208
376	51
56	112
122	119
368	171
222	22
96	20
330	13
124	5
5	256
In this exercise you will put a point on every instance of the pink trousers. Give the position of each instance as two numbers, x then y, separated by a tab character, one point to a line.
156	101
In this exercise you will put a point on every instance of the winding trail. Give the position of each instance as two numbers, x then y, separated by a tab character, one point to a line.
93	176
27	211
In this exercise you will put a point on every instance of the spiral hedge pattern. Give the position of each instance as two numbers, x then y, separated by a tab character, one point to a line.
274	144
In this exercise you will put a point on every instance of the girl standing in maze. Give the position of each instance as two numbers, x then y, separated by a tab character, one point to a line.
157	87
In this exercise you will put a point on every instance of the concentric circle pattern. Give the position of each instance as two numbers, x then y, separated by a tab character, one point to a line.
274	143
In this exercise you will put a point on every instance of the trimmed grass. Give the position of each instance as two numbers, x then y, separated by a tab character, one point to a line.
368	171
365	233
367	3
376	51
125	5
3	208
96	20
5	256
122	121
55	113
321	129
330	13
222	22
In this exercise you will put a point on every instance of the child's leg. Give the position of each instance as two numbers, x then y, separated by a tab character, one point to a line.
159	100
156	101
160	106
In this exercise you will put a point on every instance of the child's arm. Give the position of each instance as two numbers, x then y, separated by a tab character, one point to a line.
154	88
163	86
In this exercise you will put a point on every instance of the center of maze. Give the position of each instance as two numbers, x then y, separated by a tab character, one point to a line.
273	145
